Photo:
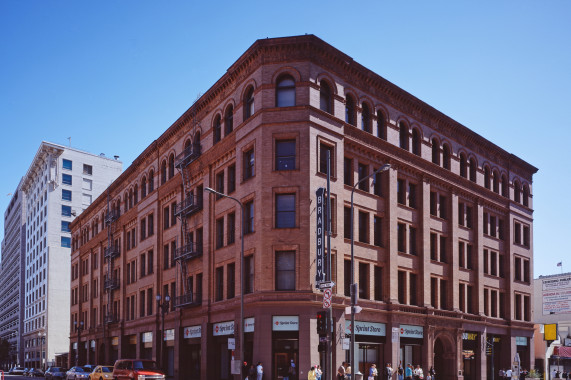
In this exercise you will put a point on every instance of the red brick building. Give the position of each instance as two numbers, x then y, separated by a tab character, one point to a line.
443	240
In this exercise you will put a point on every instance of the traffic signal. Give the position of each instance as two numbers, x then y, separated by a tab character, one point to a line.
322	323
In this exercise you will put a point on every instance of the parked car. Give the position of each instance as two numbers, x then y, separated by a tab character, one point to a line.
101	372
55	373
35	372
78	372
16	371
134	369
26	371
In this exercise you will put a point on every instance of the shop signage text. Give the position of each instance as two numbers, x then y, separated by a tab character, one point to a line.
366	328
469	336
169	334
285	323
249	325
147	337
223	328
193	332
320	251
521	341
411	331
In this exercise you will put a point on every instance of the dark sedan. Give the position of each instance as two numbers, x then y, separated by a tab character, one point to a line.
55	373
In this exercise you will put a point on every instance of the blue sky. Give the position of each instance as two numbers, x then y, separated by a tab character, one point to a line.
113	75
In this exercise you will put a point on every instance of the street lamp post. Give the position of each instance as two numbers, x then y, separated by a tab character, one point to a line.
78	328
42	336
241	328
353	287
164	308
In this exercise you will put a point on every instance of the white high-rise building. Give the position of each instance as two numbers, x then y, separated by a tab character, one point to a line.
60	183
11	279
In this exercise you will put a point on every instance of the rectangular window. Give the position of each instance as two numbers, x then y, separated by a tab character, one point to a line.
401	235
249	217
285	155
347	223
142	304
378	283
486	266
378	184
526	236
412	279
443	295
363	227
219	283
402	287
231	228
364	281
493	226
348	171
166	262
493	263
66	179
462	297
150	262
485	223
285	210
377	231
143	229
150	301
401	192
66	242
443	257
65	226
151	219
231	179
517	269
433	246
433	205
363	172
249	164
173	214
87	169
87	184
412	195
433	290
65	210
219	233
173	253
67	164
324	150
347	275
66	195
442	212
285	270
143	266
413	249
230	281
220	184
86	199
166	217
249	274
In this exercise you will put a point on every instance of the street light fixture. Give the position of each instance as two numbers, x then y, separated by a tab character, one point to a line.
42	336
78	328
164	308
353	287
241	328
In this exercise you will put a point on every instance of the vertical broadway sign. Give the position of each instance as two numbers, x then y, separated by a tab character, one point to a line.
320	259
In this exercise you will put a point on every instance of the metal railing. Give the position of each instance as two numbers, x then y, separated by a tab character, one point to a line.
189	154
189	205
188	251
188	299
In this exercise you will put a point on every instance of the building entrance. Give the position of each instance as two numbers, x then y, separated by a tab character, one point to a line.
444	359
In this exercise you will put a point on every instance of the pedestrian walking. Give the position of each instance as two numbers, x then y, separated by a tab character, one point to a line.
373	372
400	372
388	372
311	374
318	372
408	372
341	373
432	373
259	371
291	372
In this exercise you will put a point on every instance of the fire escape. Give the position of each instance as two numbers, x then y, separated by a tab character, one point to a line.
190	245
112	250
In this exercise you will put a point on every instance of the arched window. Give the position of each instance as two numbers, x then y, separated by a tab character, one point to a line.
196	142
163	172
526	195
228	120
473	169
350	110
495	182
143	187
136	194
403	135
517	192
130	198
505	187
446	156
285	92
217	130
435	151
126	201
381	125
325	97
487	178
463	166
171	166
249	103
151	181
416	142
366	118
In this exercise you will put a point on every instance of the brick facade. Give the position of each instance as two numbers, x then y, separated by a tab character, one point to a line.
435	236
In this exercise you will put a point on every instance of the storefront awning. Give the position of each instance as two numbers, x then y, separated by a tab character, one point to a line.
562	351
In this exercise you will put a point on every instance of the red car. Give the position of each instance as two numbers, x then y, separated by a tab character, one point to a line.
131	369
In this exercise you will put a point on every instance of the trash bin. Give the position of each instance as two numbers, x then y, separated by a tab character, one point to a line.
358	376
